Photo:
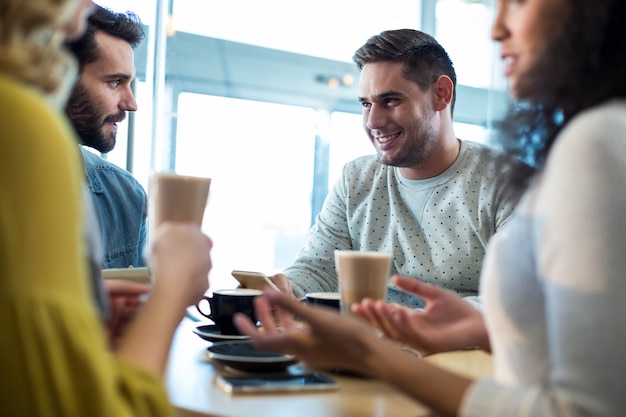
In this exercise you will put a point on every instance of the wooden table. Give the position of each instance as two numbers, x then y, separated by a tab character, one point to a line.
190	382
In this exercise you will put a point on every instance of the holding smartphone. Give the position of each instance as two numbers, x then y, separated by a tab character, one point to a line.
254	280
276	383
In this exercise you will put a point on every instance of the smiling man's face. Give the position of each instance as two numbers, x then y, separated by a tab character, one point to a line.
397	115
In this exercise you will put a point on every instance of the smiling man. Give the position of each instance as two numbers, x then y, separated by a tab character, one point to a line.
427	197
101	99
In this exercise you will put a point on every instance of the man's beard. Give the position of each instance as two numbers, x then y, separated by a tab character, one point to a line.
89	122
413	153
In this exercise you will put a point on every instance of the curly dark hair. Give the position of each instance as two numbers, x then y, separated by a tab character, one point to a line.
584	65
424	58
126	26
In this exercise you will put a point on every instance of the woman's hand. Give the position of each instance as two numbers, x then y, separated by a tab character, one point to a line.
446	323
324	339
180	262
330	340
125	300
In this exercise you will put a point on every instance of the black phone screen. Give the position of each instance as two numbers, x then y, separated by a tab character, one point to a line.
314	381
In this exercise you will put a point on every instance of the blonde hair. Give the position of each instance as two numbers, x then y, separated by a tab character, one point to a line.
32	33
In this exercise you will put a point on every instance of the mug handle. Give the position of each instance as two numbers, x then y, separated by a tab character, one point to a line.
210	302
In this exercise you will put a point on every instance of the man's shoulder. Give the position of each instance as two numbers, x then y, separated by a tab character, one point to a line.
485	150
366	164
364	172
485	153
96	162
101	172
495	169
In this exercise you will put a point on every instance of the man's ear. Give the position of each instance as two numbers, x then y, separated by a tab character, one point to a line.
443	90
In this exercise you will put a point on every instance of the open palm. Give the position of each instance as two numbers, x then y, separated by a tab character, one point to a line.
446	323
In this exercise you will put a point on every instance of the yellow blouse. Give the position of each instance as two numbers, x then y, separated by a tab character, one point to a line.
54	359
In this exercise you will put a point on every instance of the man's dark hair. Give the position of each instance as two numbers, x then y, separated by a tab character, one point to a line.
423	57
126	26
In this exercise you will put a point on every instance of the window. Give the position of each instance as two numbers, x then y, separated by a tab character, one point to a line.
242	94
259	158
463	27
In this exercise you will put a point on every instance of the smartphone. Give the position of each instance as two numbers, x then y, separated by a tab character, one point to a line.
276	383
140	274
254	280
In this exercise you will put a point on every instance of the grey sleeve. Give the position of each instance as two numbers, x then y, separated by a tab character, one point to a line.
314	267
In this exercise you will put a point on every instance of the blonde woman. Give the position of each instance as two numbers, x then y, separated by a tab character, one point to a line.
54	357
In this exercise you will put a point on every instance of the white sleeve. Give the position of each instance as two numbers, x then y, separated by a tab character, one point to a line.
581	261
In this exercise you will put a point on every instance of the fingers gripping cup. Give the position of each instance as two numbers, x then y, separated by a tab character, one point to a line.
361	274
224	304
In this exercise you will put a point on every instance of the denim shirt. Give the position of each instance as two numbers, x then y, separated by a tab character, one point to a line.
121	206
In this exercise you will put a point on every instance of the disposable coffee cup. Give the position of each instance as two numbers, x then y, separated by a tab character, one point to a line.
361	274
224	304
327	299
180	198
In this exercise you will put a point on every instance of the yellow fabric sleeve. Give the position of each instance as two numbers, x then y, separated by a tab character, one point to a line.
54	359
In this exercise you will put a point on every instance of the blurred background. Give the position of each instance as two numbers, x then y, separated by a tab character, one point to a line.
261	96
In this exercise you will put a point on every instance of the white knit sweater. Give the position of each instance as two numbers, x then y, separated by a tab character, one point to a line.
554	283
